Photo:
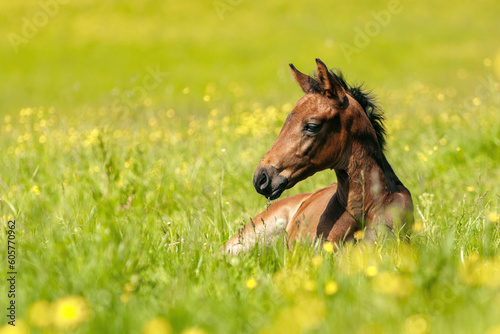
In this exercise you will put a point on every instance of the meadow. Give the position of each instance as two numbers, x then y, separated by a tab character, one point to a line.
129	134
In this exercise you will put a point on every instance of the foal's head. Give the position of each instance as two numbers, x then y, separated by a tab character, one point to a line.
319	132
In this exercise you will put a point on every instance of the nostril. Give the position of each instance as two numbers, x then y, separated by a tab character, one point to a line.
263	180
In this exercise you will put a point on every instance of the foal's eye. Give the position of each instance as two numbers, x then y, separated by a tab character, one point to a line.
312	127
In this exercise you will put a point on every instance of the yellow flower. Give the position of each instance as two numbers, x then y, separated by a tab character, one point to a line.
309	285
417	227
371	271
407	148
129	287
473	257
359	235
477	271
35	190
306	315
422	156
494	330
125	298
251	283
19	328
328	247
170	113
470	189
331	288
158	325
193	330
71	311
317	261
153	122
388	283
493	217
40	314
95	133
358	258
416	324
128	163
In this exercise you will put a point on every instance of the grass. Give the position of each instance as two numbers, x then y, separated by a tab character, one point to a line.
124	188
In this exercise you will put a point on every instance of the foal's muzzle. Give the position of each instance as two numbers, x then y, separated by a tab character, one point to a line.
268	182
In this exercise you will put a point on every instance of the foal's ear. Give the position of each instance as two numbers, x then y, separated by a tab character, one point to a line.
305	82
329	84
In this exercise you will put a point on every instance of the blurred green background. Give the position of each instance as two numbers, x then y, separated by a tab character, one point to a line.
90	49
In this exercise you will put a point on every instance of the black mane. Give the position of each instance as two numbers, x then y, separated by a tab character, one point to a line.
367	102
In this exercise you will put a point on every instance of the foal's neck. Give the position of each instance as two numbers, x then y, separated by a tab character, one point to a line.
366	180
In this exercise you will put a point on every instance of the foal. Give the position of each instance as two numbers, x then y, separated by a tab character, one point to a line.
333	126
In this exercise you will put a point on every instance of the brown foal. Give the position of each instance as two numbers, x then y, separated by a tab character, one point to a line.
333	126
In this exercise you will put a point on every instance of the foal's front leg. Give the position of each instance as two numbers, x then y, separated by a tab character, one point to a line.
336	223
266	226
343	229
